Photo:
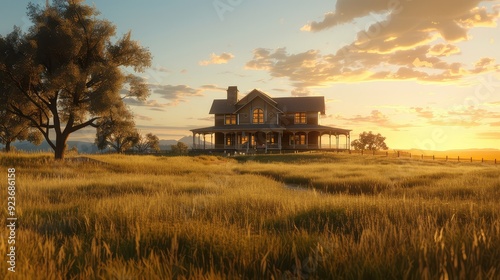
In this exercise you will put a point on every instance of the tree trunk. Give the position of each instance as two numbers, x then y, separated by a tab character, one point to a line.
7	147
60	149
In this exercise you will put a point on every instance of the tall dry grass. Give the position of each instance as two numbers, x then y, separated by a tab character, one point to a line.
145	217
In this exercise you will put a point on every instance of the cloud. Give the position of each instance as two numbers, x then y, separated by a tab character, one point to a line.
423	113
153	104
459	116
402	41
489	135
494	104
376	118
212	87
301	92
142	117
223	58
209	119
175	94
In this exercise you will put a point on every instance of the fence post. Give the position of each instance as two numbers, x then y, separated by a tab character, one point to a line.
422	156
398	153
458	158
470	159
387	154
446	158
433	158
495	161
410	155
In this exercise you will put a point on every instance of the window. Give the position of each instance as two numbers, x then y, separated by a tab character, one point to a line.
230	119
300	118
300	139
229	141
258	116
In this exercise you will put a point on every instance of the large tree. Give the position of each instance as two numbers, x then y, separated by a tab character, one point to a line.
369	141
67	72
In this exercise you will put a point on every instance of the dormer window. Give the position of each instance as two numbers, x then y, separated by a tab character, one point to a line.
258	116
300	118
230	119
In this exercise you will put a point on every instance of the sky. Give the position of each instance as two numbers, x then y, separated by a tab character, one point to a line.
425	74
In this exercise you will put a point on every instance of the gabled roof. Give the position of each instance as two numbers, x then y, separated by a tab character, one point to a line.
284	104
221	106
301	104
254	94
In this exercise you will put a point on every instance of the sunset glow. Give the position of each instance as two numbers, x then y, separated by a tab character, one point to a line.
425	74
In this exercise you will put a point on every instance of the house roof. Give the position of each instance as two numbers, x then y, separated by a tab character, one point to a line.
221	106
284	104
302	104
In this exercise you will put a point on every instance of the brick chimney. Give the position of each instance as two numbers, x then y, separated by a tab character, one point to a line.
232	95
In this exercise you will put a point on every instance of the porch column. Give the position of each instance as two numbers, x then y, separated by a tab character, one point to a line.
204	142
293	137
225	139
330	138
248	141
194	138
266	143
337	137
307	140
212	140
280	135
349	141
320	140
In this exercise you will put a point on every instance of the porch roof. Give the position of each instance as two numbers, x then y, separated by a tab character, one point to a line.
316	128
272	127
241	127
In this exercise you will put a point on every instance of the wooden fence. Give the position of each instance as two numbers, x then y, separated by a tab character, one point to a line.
404	154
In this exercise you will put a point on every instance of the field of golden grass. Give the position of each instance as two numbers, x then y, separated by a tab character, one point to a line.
300	216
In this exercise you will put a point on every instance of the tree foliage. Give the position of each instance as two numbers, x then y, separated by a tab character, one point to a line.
369	141
179	149
148	142
117	132
13	127
66	72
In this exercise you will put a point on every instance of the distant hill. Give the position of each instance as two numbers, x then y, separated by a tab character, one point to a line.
83	147
90	148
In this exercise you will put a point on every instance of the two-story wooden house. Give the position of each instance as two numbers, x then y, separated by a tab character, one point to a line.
260	122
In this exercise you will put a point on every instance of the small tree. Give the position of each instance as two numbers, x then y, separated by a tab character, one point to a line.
369	141
179	149
117	131
14	128
148	142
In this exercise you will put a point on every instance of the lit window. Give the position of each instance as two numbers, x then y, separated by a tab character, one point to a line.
229	141
258	116
300	118
300	139
230	119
